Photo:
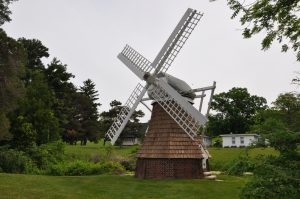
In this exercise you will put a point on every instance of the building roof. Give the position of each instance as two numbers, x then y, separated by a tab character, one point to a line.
237	135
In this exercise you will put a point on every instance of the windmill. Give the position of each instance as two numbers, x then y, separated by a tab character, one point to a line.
174	119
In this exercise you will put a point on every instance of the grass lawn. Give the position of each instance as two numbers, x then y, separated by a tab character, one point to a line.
92	150
17	186
220	156
223	156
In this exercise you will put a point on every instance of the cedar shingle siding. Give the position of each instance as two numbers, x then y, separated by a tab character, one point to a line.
167	151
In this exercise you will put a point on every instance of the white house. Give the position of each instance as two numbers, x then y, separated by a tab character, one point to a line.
134	138
206	140
130	140
238	140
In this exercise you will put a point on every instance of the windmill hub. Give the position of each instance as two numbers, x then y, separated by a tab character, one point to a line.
172	147
150	79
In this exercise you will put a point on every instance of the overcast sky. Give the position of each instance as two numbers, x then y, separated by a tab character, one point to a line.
87	35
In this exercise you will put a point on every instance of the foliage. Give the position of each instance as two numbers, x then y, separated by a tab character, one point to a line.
288	104
278	177
24	135
217	142
240	165
89	113
4	11
128	165
296	80
37	110
277	19
13	161
47	154
274	178
80	168
65	106
35	51
235	111
12	61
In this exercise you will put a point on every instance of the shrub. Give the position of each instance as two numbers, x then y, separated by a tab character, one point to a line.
47	154
128	165
81	168
13	161
240	165
271	181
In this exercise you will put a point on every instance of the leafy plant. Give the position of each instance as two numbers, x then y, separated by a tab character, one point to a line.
13	161
81	168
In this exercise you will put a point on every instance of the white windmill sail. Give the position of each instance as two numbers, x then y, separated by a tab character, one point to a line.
138	64
177	39
186	116
123	117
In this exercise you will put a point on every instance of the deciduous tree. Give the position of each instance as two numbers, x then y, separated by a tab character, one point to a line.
235	111
276	19
5	11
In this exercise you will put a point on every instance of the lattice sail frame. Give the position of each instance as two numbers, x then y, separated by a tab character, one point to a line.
121	120
139	65
135	62
177	39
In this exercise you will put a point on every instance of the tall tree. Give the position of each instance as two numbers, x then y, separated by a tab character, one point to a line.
277	19
12	60
36	109
5	11
288	104
278	176
89	115
35	51
235	111
59	81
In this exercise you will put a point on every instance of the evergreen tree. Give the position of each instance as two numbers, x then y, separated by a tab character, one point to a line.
59	81
88	112
12	59
35	51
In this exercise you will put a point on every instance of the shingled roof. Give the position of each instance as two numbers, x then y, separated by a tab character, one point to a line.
166	139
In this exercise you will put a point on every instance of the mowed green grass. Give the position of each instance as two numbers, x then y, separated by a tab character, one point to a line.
223	156
17	186
92	150
220	156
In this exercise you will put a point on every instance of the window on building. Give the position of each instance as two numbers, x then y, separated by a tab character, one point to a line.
242	140
233	140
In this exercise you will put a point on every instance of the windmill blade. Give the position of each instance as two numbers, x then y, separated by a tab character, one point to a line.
176	40
186	116
138	64
121	120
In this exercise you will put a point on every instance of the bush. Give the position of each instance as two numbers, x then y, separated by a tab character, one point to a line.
13	161
81	168
128	165
47	154
271	181
240	165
